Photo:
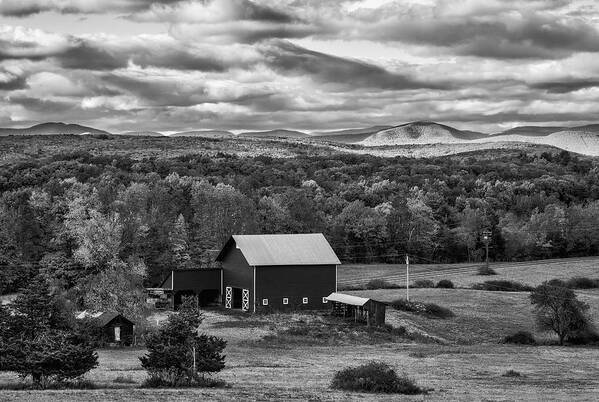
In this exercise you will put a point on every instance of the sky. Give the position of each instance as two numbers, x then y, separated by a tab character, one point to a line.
310	65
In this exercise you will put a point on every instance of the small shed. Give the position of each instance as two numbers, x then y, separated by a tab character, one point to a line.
359	308
113	328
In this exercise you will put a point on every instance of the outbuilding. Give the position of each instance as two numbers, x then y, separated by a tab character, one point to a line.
278	272
204	283
359	308
112	328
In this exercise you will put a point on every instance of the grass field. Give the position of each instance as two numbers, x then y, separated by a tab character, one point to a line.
464	275
466	363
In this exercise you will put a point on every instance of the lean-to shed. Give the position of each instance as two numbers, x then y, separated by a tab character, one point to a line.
359	308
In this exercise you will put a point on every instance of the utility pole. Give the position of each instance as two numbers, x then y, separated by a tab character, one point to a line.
407	277
487	240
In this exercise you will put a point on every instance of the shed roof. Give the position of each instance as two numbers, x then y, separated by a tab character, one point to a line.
347	299
283	249
100	318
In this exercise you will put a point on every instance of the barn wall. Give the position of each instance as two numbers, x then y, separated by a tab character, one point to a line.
197	279
238	273
294	282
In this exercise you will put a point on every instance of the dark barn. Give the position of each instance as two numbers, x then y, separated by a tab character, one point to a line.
361	309
204	283
278	272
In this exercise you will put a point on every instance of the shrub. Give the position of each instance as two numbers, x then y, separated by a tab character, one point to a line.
426	309
502	286
423	283
512	373
124	380
582	283
445	284
484	270
381	284
586	336
376	377
520	338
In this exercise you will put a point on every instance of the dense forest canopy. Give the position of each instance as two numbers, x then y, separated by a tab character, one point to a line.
93	220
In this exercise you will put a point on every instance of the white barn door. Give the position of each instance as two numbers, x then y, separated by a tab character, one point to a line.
228	296
245	300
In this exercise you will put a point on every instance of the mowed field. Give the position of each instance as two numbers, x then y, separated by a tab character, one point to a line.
462	361
464	275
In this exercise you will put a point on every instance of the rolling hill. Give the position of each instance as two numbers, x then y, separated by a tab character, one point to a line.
420	133
142	134
348	136
275	133
204	134
52	129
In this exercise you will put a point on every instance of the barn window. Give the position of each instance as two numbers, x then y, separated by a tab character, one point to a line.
265	302
305	300
285	300
324	300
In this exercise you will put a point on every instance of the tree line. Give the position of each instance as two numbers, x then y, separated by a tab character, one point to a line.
94	224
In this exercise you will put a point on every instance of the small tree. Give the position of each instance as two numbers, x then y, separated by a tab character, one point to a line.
177	355
557	309
37	339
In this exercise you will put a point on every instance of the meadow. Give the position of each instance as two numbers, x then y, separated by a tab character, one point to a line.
462	360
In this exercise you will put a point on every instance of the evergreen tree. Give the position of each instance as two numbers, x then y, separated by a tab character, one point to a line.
179	241
38	340
177	355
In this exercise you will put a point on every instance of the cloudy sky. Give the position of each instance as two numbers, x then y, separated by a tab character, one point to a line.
301	64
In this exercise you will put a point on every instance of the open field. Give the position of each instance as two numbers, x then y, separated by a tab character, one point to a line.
464	275
466	363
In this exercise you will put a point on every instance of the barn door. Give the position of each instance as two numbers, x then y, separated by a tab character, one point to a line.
245	300
228	296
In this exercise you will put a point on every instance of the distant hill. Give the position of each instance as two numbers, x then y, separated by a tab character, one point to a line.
348	136
420	133
143	134
52	129
274	134
204	134
531	130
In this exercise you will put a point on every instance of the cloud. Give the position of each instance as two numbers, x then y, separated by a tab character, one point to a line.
24	8
570	85
288	58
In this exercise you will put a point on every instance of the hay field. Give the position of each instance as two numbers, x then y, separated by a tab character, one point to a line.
464	275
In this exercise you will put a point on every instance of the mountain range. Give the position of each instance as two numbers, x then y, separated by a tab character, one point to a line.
580	139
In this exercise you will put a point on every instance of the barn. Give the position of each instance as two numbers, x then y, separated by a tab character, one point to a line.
362	309
276	272
205	284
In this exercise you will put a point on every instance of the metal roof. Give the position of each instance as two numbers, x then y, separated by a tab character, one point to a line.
283	249
347	299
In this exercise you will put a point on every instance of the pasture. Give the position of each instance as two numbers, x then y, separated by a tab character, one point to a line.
531	273
463	359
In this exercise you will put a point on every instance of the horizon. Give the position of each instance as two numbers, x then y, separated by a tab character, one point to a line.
132	65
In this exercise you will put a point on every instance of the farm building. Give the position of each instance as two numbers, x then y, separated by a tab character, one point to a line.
359	308
204	283
278	272
113	328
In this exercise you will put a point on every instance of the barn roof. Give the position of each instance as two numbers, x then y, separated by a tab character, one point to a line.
347	299
283	249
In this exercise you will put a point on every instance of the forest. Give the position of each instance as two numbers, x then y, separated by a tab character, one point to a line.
92	220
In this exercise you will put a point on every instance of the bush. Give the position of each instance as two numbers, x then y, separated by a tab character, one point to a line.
582	283
423	283
374	377
124	380
502	286
427	309
520	338
381	284
166	380
511	373
585	336
445	284
484	270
